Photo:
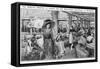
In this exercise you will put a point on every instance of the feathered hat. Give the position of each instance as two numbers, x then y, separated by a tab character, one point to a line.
48	21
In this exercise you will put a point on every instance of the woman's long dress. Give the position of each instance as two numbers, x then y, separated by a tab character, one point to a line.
48	44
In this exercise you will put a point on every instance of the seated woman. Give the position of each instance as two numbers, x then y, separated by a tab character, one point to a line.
90	45
60	44
81	46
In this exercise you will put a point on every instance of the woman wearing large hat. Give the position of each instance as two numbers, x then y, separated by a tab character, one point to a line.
48	38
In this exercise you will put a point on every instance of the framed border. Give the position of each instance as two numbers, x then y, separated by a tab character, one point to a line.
15	33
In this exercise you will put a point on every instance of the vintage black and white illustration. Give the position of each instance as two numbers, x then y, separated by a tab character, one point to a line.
52	33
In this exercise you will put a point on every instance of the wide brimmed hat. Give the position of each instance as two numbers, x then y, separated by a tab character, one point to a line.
48	21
